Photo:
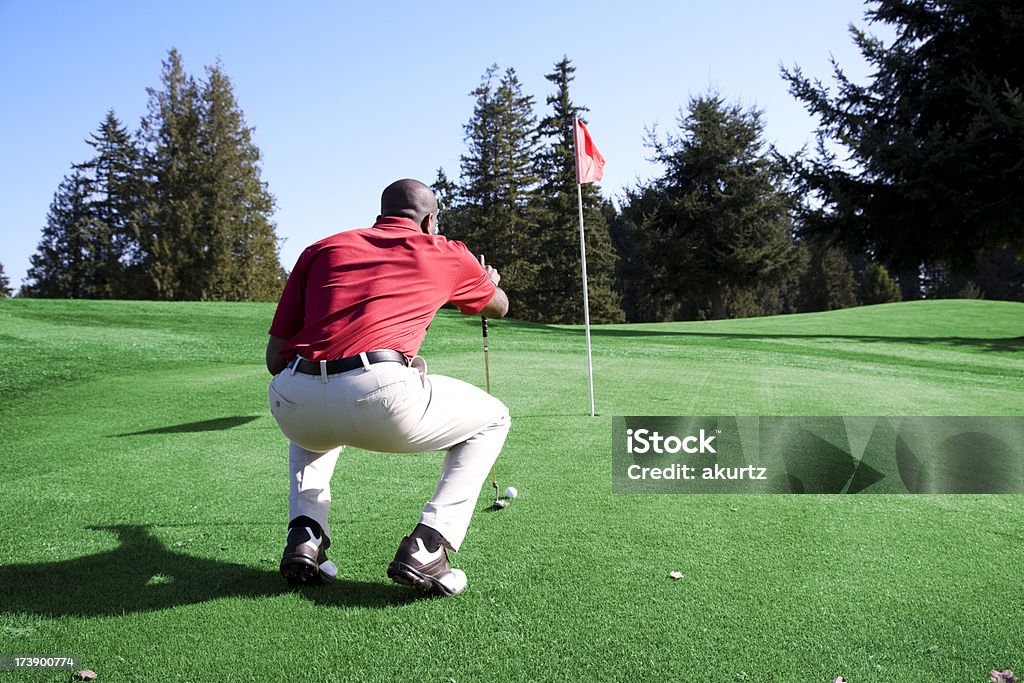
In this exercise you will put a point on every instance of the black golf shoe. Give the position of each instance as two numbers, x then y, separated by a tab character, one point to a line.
305	557
427	571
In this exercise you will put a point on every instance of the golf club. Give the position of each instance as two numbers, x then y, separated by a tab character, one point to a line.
499	504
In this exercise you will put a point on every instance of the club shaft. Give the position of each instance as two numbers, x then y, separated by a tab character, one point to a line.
487	364
487	375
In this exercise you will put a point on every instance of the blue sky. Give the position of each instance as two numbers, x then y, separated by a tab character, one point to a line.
346	97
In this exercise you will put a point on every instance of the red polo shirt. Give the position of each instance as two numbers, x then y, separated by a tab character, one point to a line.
375	288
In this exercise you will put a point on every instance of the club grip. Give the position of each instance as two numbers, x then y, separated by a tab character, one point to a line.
483	325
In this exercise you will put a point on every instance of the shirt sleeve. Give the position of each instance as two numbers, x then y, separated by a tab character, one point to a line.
289	318
473	289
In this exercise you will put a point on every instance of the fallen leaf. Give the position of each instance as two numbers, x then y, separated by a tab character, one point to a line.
675	575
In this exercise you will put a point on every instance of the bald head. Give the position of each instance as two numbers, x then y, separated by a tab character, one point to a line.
410	199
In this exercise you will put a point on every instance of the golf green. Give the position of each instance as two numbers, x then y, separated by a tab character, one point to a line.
144	484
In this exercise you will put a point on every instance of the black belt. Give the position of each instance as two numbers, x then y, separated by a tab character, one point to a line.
312	367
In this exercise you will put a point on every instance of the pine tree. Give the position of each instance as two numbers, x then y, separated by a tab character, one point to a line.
115	207
877	287
179	212
172	234
828	284
557	295
445	190
62	266
932	169
493	213
718	219
206	232
241	257
840	288
633	236
5	283
88	239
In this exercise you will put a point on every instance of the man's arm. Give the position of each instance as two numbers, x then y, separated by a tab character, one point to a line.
275	363
497	307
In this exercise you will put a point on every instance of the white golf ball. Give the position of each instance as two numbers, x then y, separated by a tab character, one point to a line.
511	492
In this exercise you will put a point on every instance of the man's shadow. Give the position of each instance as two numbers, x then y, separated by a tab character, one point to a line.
141	575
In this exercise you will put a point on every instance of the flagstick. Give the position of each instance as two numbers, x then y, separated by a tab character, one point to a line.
586	299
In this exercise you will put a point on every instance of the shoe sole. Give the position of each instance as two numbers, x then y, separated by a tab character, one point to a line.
299	569
328	571
400	572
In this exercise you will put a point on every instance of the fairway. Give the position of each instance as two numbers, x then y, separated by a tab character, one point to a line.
143	502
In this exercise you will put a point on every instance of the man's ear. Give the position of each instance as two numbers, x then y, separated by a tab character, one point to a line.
425	223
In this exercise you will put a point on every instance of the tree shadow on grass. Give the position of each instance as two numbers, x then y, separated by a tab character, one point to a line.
997	344
978	343
217	424
141	575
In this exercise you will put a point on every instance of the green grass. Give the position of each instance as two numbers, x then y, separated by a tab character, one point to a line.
143	503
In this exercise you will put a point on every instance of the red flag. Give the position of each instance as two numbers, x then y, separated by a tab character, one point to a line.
589	160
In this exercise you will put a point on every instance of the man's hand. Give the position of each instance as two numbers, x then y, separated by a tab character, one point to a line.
492	273
497	307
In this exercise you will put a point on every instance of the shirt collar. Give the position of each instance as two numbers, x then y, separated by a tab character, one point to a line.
397	222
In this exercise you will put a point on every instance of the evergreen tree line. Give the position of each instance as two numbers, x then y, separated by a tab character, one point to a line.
928	204
713	236
516	201
926	200
173	211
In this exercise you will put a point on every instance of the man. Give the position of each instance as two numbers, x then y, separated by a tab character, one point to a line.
343	351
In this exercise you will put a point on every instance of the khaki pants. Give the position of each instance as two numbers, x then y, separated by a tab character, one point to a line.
392	408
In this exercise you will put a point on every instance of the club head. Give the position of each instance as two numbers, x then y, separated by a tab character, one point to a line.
500	504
